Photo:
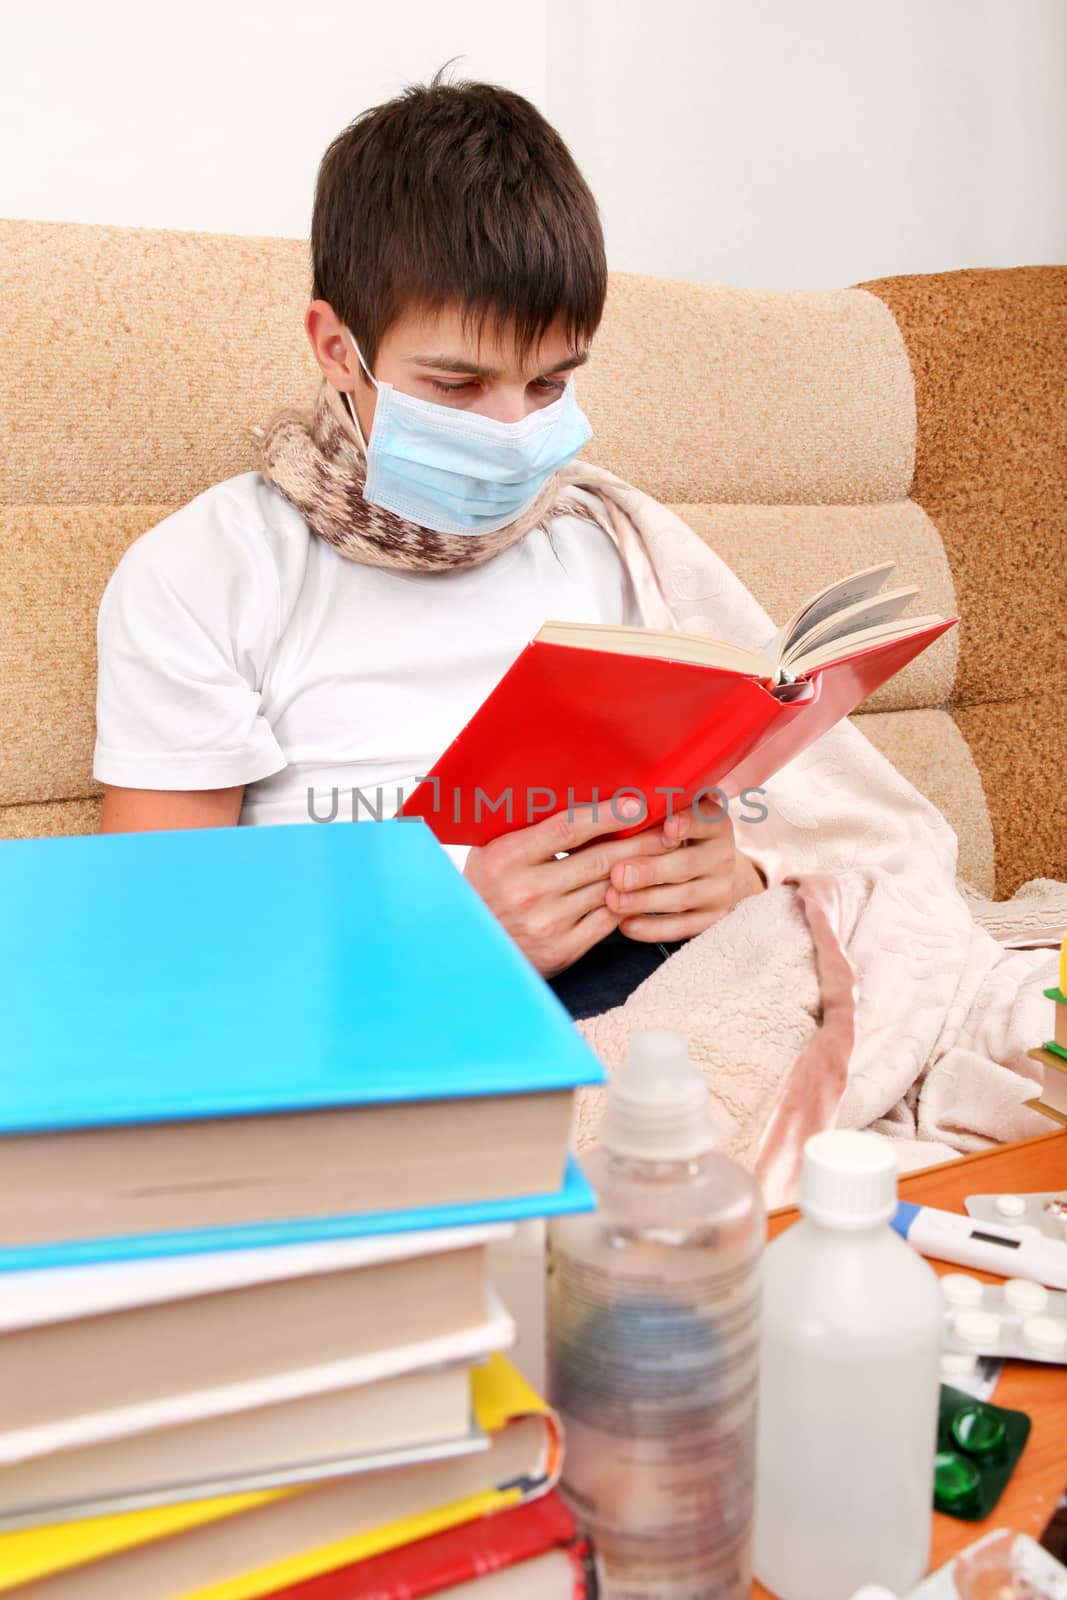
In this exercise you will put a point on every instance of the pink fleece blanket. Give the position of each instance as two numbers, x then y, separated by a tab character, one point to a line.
861	989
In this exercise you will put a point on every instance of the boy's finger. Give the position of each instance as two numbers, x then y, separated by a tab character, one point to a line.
588	932
655	930
566	830
577	903
597	859
670	866
674	898
691	823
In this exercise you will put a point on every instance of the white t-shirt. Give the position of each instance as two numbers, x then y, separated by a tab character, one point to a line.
237	647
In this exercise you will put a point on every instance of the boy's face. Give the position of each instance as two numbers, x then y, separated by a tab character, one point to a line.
426	354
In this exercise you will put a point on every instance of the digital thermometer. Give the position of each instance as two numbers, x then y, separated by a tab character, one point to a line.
967	1242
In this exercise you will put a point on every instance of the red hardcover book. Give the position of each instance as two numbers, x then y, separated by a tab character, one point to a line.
458	1555
572	724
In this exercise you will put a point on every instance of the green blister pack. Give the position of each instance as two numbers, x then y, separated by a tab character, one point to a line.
978	1445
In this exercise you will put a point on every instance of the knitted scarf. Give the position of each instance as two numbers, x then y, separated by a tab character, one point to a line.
318	463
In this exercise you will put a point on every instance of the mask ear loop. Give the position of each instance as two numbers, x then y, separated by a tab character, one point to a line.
348	392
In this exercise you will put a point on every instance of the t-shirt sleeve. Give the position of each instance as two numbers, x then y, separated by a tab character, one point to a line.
184	630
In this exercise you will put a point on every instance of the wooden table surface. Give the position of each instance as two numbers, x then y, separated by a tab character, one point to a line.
1040	1477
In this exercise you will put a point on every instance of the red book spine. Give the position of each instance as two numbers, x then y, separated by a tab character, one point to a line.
457	1555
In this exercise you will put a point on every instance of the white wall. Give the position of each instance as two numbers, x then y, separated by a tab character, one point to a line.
214	114
815	143
802	143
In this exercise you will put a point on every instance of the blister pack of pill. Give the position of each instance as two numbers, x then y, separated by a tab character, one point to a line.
1047	1212
1000	1563
974	1375
1017	1319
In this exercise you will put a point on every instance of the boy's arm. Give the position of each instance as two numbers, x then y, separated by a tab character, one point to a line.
146	810
185	628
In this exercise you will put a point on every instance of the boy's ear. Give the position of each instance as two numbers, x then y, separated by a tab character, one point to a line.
336	359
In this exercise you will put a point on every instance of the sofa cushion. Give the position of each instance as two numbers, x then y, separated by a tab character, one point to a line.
136	360
989	354
56	563
699	392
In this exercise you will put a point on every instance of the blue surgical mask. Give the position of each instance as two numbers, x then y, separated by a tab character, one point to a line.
457	471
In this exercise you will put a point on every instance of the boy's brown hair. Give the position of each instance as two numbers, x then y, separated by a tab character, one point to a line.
463	193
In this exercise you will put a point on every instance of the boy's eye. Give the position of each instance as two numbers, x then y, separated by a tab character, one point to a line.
539	383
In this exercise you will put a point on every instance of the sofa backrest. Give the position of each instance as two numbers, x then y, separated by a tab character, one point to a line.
782	426
988	354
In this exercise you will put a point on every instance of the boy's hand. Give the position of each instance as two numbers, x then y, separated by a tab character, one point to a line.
671	892
555	910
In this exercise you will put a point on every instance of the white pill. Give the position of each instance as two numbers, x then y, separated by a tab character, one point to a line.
958	1364
960	1289
1010	1205
977	1328
1026	1297
1046	1334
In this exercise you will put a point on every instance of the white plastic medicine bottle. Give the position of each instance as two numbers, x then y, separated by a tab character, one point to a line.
653	1338
849	1385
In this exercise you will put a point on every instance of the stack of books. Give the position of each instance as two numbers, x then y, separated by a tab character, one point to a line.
268	1097
1053	1053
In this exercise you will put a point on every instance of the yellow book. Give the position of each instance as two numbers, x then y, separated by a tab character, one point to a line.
1053	1097
238	1547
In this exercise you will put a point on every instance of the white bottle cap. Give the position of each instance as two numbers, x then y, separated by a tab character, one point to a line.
657	1104
848	1179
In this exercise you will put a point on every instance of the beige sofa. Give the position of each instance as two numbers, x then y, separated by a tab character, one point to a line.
803	434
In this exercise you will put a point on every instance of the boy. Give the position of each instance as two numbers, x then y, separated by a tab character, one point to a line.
330	623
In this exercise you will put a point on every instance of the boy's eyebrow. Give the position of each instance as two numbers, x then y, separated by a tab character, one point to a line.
470	369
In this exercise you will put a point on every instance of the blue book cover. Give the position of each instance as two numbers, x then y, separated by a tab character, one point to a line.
218	972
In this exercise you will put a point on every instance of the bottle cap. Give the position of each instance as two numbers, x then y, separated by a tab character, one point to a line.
657	1104
848	1179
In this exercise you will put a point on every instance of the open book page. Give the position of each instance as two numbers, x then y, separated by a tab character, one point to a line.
853	620
862	640
854	589
651	642
840	619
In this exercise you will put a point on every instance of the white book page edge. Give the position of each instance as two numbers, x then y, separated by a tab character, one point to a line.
62	1294
496	1333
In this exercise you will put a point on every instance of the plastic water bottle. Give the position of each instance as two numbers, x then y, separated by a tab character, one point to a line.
849	1385
653	1339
